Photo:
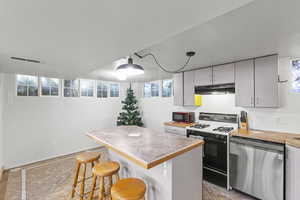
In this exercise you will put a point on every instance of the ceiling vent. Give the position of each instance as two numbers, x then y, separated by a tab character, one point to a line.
25	60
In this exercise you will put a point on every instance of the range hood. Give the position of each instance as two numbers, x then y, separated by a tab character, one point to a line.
215	89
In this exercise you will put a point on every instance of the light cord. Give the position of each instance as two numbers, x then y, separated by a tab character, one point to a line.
161	67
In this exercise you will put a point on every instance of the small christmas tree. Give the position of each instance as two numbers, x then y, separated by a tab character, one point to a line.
130	115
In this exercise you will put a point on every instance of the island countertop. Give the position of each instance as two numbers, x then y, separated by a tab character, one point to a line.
144	146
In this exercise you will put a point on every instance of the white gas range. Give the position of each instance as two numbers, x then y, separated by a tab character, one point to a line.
220	128
214	129
215	123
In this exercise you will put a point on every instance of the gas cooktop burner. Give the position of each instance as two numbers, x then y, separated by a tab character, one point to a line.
223	129
201	126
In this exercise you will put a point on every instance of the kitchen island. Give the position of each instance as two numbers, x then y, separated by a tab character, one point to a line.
170	165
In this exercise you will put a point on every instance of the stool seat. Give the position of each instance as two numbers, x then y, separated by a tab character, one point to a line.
106	168
128	189
87	157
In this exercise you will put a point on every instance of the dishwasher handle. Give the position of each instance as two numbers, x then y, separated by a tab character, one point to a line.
268	146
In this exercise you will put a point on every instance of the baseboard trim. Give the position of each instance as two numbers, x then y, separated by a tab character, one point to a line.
1	172
53	157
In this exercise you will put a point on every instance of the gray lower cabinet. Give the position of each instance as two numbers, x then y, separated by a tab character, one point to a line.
256	82
244	83
189	88
203	76
178	89
266	82
223	74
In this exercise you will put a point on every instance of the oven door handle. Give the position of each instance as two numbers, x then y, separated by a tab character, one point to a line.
215	140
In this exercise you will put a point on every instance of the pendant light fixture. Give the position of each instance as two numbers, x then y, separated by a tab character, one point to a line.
130	69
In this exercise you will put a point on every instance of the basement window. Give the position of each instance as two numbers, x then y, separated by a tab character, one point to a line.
151	89
102	89
71	88
27	85
154	89
296	76
167	86
87	88
114	90
49	86
147	89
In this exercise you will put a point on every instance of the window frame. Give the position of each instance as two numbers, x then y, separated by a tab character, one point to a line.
16	85
109	89
291	87
158	88
63	88
144	90
172	88
94	87
152	82
59	87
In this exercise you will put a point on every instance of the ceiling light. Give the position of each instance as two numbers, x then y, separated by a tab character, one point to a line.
120	76
130	69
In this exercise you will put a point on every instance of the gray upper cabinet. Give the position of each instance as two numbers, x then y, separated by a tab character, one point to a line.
184	89
178	89
266	82
203	76
244	83
223	74
189	88
256	82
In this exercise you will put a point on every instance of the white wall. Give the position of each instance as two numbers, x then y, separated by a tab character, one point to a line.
37	128
1	122
286	118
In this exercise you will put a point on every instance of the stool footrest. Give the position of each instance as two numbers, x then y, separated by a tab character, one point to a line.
90	177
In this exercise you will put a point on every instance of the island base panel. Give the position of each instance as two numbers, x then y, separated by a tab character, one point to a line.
176	179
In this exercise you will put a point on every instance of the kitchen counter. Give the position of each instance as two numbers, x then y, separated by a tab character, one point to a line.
179	124
170	165
270	136
143	146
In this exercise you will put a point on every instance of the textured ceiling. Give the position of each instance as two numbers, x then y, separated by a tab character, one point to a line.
259	28
73	38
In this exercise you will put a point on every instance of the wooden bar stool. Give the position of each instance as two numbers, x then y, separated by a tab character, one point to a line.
129	189
102	170
83	158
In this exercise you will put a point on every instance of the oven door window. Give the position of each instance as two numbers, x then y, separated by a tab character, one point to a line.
215	154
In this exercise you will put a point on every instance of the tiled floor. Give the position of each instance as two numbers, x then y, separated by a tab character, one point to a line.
52	179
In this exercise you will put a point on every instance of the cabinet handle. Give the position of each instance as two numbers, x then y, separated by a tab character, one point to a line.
257	100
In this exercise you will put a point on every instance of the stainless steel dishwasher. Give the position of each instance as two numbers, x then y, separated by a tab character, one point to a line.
257	168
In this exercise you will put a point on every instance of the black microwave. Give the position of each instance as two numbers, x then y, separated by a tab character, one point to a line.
184	117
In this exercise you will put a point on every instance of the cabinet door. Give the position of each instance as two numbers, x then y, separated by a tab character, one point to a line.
244	83
266	82
189	88
178	89
292	173
223	74
203	76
